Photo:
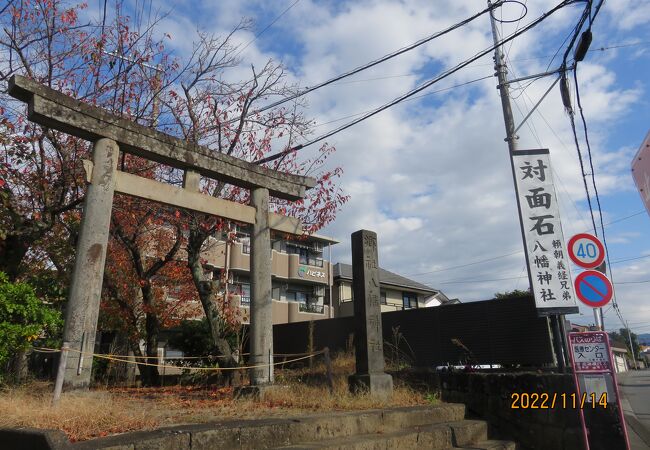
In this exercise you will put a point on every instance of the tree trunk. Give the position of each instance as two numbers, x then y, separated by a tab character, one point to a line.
142	368
12	251
152	328
18	367
207	290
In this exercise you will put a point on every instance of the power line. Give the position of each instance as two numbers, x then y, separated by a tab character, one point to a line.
407	100
414	74
481	281
633	282
444	269
628	259
534	132
267	27
600	49
466	265
373	63
586	135
416	90
474	280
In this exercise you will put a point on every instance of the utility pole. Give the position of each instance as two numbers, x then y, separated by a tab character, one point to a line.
629	337
511	138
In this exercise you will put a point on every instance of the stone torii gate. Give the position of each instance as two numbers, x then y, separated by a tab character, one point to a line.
109	135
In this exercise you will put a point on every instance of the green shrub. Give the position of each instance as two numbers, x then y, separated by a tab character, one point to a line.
24	318
193	338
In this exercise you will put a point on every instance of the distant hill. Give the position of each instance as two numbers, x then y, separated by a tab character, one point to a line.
644	339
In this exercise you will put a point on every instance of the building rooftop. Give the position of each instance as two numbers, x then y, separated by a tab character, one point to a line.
345	271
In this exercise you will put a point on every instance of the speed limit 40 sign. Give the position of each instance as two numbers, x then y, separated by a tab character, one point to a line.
586	250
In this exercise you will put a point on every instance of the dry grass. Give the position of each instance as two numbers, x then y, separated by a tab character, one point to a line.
80	416
101	412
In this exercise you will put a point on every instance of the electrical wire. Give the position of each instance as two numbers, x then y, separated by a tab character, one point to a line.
417	90
387	77
593	179
474	280
267	27
372	63
407	100
494	258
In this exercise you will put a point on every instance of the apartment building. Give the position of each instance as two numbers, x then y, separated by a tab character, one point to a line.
396	292
301	274
304	279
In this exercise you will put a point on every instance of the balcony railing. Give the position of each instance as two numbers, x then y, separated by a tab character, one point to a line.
311	308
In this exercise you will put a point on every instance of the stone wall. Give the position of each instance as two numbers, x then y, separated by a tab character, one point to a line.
489	396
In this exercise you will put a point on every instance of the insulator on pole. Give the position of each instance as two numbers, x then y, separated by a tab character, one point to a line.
583	45
564	91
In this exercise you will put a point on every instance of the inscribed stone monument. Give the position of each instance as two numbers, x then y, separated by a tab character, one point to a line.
369	347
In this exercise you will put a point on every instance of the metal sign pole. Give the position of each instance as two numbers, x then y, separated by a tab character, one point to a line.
583	423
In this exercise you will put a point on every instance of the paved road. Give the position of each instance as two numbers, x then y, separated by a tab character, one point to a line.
635	392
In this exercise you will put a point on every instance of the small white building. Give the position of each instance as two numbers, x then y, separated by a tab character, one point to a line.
620	358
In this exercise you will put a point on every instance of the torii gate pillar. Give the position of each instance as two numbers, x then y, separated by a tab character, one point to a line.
261	320
82	309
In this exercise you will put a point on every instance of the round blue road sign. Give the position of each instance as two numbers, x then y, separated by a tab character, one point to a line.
593	288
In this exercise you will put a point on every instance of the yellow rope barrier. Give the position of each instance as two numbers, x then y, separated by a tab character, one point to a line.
53	350
120	359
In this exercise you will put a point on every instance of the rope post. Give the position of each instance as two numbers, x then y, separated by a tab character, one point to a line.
328	369
58	386
162	378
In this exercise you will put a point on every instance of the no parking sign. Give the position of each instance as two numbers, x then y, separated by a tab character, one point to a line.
593	288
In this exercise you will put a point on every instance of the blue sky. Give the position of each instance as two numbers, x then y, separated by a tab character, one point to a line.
432	177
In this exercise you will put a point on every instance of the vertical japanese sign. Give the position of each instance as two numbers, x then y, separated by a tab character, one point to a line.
547	257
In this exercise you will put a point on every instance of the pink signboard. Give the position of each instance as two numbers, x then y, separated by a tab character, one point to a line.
590	352
641	171
591	355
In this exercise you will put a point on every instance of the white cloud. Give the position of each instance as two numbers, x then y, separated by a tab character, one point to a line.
628	14
432	176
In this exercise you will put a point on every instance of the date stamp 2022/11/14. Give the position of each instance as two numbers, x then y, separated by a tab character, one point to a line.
544	400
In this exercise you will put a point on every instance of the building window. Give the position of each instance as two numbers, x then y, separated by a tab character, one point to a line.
409	300
382	296
244	290
303	255
318	262
297	296
301	297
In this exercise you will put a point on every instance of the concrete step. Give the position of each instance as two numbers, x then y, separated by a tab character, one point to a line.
489	445
345	424
436	436
272	433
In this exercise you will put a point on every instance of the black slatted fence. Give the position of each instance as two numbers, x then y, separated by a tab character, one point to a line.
506	332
